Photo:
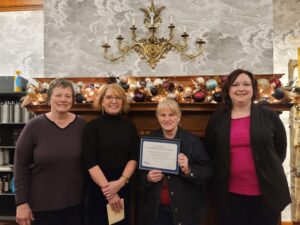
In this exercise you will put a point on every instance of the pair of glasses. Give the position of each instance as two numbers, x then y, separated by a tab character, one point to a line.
110	98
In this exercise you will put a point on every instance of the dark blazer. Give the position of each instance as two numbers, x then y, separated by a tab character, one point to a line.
186	192
268	142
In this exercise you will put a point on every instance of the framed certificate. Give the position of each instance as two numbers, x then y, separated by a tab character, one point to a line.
159	154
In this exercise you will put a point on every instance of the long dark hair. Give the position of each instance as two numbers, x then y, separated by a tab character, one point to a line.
226	100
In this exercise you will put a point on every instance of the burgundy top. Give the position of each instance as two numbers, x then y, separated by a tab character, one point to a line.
243	179
164	193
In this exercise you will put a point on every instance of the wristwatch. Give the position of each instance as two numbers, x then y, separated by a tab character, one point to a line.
125	178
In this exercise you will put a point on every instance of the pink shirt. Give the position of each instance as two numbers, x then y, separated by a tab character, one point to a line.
243	179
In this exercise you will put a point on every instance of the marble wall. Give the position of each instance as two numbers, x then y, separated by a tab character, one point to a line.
286	38
22	43
238	34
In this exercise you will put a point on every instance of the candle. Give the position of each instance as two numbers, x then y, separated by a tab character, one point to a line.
171	19
133	21
105	39
152	17
119	31
184	28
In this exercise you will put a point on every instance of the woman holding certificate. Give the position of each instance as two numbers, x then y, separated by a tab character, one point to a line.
247	143
177	198
110	146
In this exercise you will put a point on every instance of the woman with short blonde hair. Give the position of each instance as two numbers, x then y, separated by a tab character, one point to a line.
166	195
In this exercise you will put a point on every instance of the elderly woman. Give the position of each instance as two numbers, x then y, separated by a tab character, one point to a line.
177	198
110	146
247	144
49	175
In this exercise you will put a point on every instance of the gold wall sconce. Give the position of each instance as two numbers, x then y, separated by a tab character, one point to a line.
153	48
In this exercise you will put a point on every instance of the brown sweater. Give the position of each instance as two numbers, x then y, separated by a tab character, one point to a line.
48	171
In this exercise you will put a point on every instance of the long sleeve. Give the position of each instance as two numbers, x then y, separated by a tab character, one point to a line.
210	137
200	165
280	140
22	164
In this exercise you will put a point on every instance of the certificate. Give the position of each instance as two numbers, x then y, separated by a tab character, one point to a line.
159	154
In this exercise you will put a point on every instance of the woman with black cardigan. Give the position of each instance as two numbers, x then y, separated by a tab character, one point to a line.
247	144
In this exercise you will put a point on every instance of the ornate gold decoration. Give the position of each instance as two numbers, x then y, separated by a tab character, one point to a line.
153	48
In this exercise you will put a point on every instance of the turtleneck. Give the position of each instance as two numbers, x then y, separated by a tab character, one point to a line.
111	117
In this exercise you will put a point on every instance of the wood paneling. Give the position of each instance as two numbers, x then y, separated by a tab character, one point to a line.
20	5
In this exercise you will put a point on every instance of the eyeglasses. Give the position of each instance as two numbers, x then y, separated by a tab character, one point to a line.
116	98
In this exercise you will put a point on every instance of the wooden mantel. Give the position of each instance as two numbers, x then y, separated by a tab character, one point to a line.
20	5
194	115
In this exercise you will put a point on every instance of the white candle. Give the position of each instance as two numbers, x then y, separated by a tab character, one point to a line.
184	28
152	17
171	19
105	39
119	31
133	21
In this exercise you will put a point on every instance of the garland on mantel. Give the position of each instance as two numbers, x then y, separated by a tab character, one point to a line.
206	89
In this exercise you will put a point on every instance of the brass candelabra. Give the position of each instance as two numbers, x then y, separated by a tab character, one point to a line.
153	48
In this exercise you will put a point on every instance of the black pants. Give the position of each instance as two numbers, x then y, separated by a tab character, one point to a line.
246	210
165	217
69	216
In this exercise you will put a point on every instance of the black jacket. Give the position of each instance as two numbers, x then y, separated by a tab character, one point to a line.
268	142
186	192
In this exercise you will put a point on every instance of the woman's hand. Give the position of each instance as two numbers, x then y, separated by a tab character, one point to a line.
116	203
112	188
183	163
24	214
154	176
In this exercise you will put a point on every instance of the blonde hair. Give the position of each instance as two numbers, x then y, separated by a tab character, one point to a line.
168	103
117	90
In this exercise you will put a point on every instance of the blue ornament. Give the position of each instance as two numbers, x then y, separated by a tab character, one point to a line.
154	91
217	96
180	88
211	84
125	86
278	93
79	98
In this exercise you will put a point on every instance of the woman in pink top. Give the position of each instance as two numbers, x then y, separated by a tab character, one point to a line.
247	144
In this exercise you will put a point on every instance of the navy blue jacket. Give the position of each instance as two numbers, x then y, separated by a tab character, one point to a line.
187	193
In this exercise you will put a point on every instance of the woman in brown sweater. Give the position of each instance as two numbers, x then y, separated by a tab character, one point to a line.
49	176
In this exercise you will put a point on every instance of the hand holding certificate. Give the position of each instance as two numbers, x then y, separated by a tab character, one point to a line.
160	154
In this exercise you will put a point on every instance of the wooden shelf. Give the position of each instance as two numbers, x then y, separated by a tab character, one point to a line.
20	5
148	106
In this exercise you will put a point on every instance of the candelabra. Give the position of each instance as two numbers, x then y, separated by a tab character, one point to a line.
153	48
